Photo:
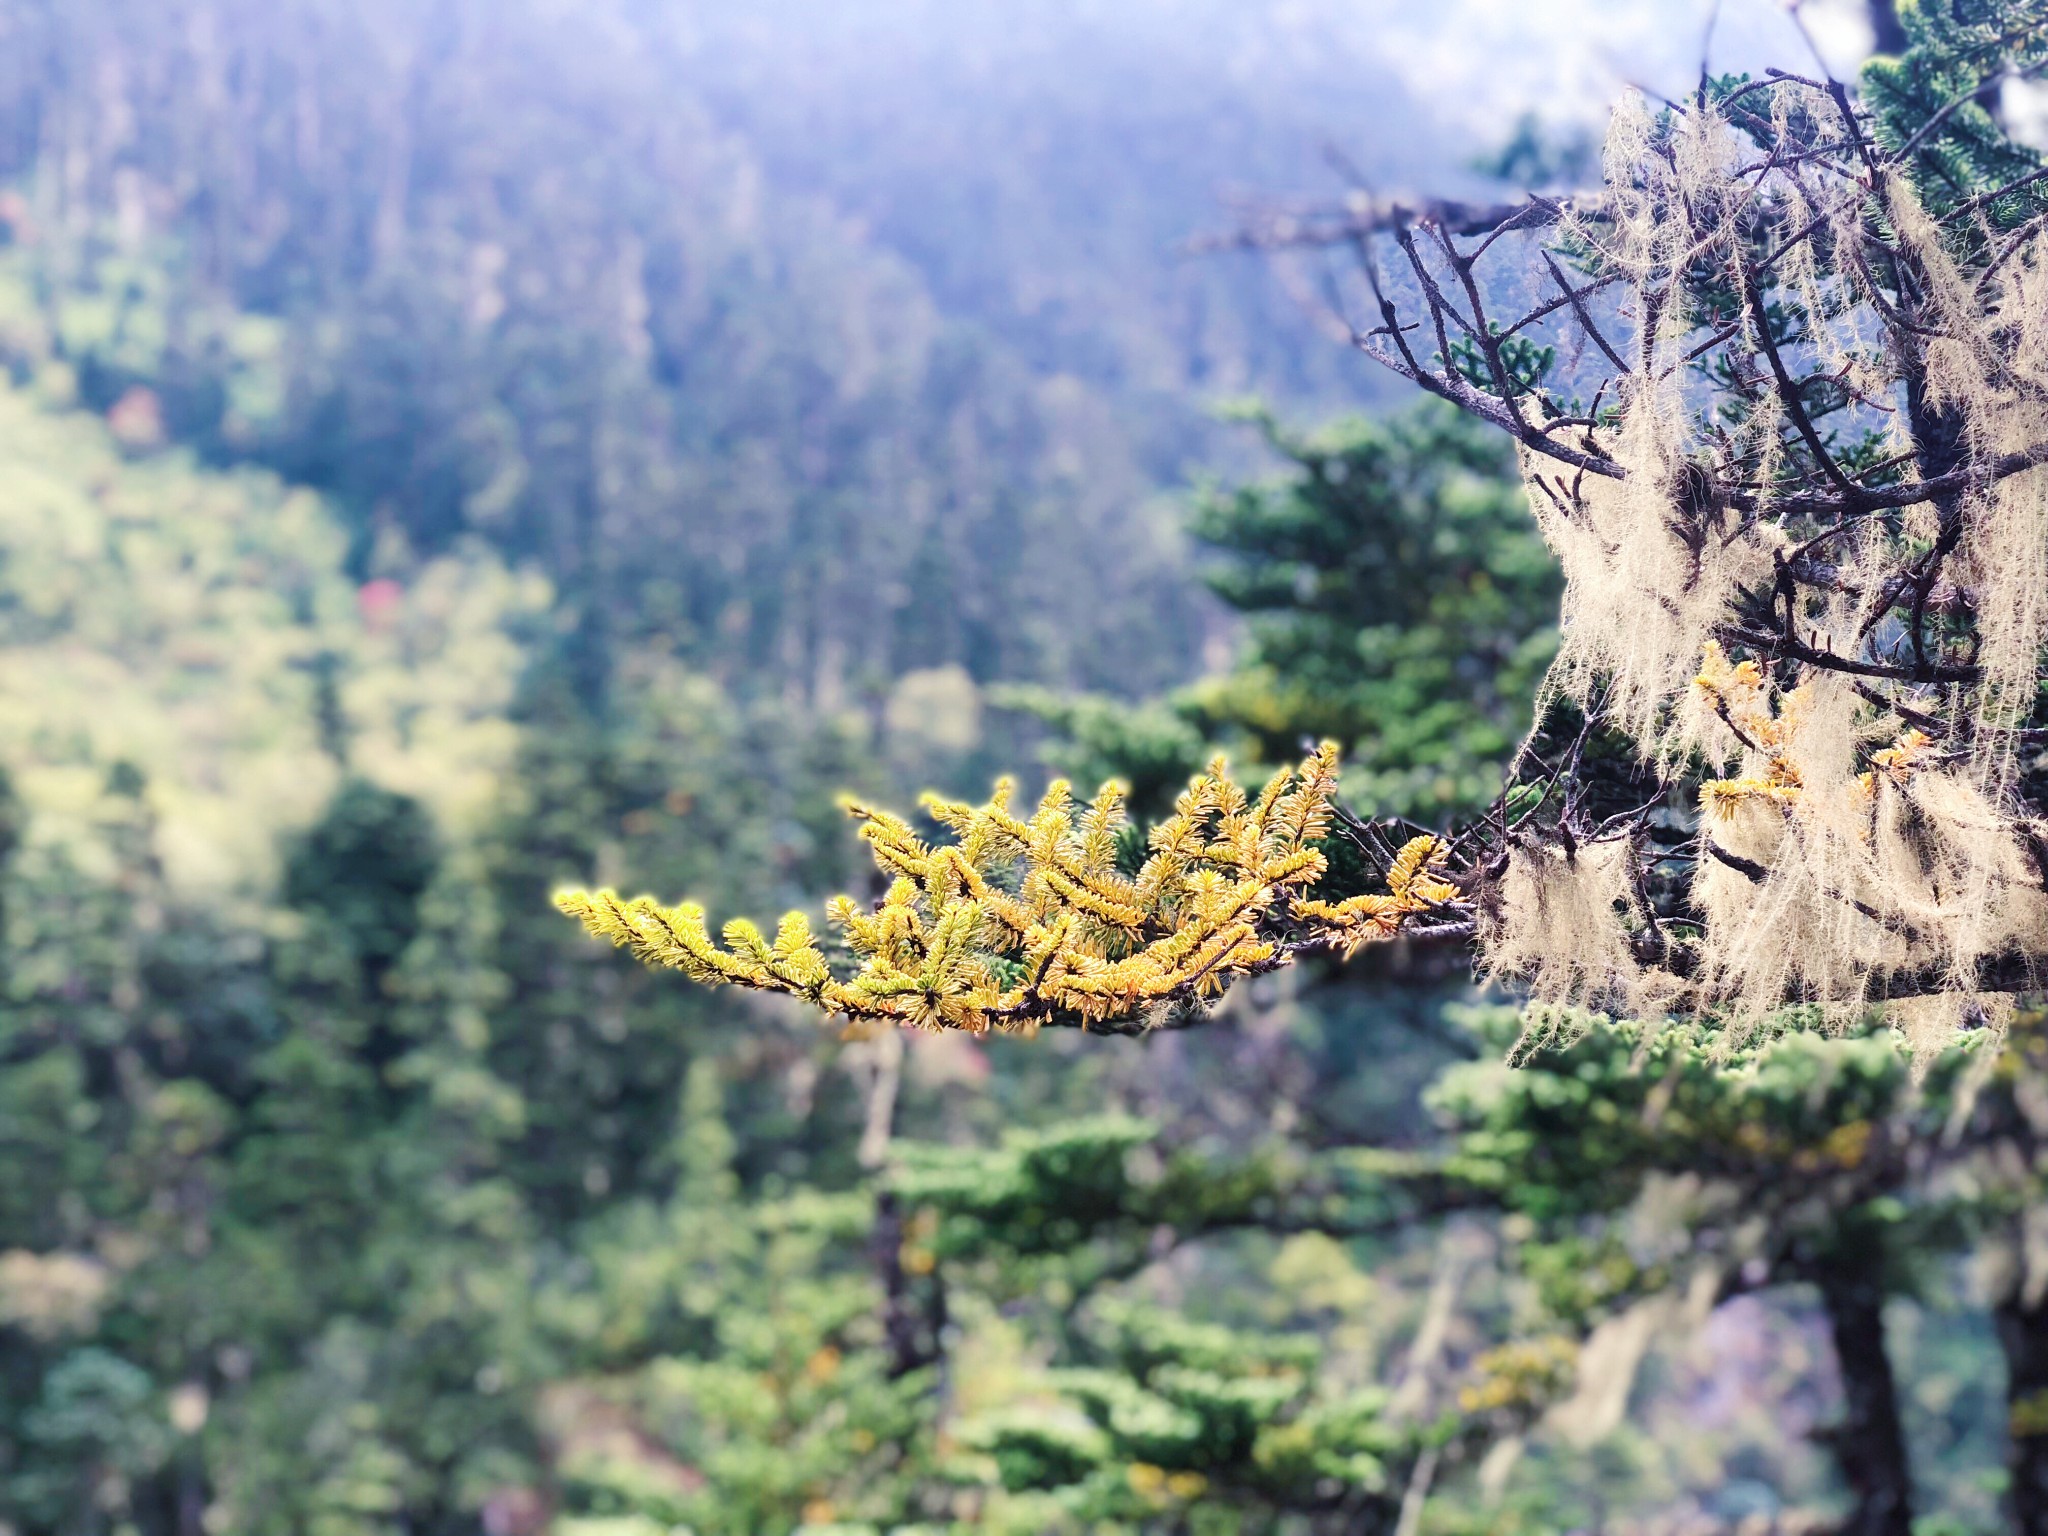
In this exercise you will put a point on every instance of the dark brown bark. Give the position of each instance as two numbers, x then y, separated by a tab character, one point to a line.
1869	1444
2023	1335
913	1315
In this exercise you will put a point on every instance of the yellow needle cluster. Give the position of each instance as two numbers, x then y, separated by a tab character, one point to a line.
1018	923
1897	763
1415	885
1738	694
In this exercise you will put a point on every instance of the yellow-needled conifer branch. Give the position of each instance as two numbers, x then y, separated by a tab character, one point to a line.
1018	924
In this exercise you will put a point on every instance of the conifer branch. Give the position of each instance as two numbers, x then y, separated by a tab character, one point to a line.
1017	925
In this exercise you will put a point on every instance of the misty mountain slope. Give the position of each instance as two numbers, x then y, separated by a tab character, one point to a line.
812	339
531	290
1041	163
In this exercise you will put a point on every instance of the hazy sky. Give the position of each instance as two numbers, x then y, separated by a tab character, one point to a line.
1040	160
1478	63
1498	58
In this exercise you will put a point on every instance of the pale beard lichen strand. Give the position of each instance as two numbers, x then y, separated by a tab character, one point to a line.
1848	846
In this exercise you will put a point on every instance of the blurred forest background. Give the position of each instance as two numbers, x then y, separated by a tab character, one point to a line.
452	449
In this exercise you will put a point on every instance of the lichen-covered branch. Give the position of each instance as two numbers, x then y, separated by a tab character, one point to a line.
1781	392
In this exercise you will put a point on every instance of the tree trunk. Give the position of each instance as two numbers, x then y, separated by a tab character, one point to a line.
2023	1335
1888	36
914	1326
1869	1444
